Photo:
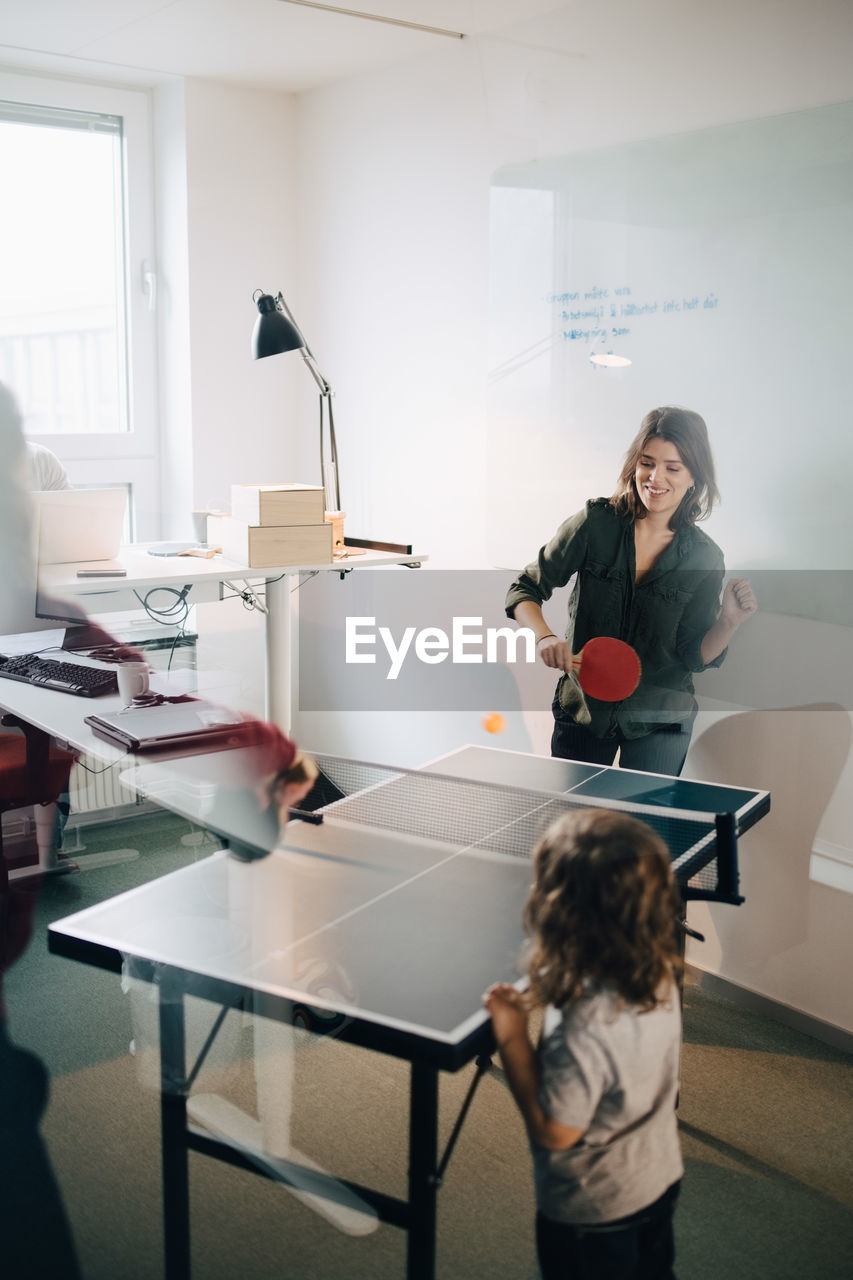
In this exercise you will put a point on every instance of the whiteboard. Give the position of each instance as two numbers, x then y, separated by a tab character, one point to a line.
720	263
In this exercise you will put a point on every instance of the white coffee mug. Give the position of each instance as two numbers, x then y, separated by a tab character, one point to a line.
132	680
200	527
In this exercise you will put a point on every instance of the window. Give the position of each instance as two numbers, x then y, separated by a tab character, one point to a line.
77	324
62	308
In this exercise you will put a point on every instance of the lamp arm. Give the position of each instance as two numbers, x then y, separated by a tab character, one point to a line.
322	383
305	351
326	394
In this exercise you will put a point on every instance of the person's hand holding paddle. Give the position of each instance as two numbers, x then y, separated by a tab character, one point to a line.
555	652
606	668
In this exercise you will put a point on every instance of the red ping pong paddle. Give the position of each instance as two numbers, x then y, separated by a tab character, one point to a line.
607	668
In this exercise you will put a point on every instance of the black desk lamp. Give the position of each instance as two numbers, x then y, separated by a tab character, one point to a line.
277	331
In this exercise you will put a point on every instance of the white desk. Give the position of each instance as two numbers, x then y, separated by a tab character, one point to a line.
208	578
184	785
180	785
61	716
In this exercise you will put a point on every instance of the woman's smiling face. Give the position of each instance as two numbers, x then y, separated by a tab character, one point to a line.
661	477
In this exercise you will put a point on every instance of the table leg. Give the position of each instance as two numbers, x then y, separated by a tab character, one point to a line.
423	1183
173	1131
278	652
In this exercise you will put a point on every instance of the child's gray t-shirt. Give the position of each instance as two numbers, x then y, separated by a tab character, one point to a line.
612	1071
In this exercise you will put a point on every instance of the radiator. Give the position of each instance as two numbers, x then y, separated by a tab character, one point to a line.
96	795
97	791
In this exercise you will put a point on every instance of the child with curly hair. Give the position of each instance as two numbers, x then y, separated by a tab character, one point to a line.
598	1096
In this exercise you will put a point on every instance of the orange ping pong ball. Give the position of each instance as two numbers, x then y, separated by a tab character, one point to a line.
494	722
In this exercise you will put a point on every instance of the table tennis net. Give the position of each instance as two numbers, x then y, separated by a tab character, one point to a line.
478	815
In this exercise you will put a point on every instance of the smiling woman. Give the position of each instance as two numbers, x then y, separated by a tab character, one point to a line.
647	576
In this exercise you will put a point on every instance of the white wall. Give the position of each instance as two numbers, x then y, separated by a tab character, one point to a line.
393	198
394	175
226	209
242	235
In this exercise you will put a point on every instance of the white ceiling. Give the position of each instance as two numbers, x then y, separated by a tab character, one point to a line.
266	43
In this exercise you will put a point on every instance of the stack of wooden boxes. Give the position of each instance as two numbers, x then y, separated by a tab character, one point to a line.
272	525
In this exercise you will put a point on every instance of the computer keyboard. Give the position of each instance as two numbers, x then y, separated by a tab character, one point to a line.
67	677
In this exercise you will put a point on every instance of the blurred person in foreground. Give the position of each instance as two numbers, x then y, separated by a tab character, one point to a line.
36	1242
36	1237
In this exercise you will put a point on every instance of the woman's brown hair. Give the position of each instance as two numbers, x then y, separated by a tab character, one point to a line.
604	908
687	431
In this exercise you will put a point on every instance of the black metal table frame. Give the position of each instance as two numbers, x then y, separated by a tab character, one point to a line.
427	1058
417	1215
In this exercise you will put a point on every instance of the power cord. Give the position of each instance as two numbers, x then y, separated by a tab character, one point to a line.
177	612
250	598
253	599
179	604
78	764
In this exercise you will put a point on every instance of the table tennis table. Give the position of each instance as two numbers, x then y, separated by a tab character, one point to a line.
408	886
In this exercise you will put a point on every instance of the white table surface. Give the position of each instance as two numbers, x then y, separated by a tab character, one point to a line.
62	715
145	572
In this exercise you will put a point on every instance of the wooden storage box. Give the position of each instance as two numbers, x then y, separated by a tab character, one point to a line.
278	504
270	546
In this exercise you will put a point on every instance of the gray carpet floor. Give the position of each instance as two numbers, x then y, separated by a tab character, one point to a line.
765	1118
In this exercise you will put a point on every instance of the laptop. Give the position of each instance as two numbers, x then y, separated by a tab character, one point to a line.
79	524
182	726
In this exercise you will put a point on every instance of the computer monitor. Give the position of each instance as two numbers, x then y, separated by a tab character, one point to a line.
25	606
79	524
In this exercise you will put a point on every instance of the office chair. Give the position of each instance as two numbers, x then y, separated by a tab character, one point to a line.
33	771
